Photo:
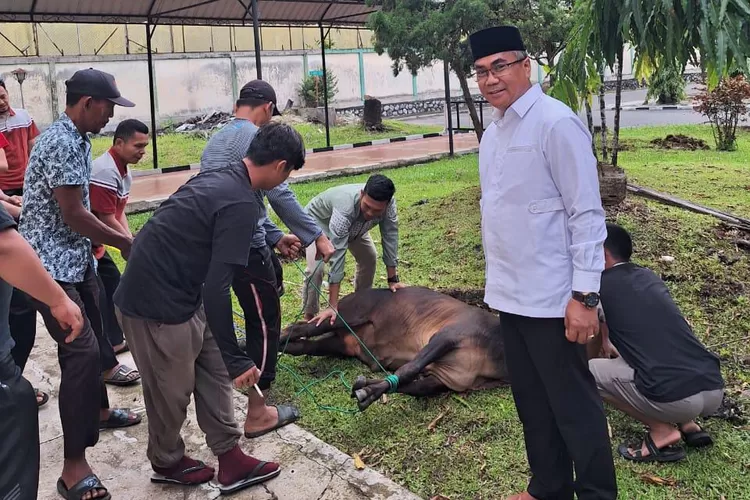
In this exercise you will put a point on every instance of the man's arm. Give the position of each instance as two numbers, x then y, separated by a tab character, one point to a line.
573	168
21	268
389	237
232	237
285	204
112	221
217	302
123	220
273	233
85	223
3	161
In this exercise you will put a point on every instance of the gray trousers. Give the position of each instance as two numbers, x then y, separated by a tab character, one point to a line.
175	362
364	253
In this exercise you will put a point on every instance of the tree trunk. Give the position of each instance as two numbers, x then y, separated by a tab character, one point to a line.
618	100
590	123
478	128
372	114
603	114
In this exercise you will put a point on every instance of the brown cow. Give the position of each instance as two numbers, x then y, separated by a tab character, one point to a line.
432	341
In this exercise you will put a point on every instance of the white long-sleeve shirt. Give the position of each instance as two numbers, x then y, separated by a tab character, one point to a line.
543	225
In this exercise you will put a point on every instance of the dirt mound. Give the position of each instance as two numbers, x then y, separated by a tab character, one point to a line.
680	141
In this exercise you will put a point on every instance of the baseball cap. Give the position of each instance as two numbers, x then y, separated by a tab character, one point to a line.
258	90
95	83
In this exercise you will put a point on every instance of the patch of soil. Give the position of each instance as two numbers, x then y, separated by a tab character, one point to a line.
728	290
680	141
473	297
730	410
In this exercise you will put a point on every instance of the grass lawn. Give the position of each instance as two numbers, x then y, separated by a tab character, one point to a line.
475	451
713	178
183	149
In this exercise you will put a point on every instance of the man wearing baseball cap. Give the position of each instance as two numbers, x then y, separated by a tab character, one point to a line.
56	220
259	286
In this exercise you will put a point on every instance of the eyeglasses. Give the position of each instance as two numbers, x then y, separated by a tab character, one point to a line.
497	69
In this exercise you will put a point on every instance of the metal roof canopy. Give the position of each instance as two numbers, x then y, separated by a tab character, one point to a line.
344	13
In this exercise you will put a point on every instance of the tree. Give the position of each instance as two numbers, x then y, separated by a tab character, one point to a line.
545	26
416	33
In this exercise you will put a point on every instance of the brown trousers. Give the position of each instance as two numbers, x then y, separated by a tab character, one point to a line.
176	361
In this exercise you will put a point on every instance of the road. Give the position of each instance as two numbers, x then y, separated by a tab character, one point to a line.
627	118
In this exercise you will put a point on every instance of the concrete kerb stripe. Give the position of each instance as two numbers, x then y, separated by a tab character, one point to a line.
337	147
666	107
153	204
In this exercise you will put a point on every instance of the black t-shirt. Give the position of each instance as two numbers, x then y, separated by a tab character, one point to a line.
652	336
200	235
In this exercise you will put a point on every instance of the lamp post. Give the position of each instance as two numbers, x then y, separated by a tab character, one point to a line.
20	75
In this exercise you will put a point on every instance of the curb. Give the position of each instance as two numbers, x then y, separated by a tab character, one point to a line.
338	147
149	205
665	107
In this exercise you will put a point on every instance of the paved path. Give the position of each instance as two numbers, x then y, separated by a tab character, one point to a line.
149	190
311	469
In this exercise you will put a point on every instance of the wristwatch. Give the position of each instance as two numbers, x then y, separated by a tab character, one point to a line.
590	300
393	279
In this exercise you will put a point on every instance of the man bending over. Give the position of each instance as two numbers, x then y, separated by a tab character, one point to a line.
662	375
175	309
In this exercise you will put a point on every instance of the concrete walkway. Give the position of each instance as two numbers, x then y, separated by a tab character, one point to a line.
311	469
148	191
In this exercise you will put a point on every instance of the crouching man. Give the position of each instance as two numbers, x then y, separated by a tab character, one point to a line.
661	374
174	306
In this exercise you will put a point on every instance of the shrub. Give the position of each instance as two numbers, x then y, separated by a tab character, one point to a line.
666	84
311	90
723	106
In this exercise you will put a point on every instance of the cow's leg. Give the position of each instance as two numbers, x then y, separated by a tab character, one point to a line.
427	386
308	330
368	391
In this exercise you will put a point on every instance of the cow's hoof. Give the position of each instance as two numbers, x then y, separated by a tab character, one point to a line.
361	395
359	383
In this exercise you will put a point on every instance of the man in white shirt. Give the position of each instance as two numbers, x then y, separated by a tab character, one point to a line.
543	229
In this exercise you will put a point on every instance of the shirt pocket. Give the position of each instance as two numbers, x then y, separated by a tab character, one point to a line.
548	226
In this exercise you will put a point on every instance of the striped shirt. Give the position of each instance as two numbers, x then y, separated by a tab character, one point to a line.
19	129
229	145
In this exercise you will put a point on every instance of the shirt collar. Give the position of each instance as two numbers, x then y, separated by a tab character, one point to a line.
122	166
523	104
11	112
68	124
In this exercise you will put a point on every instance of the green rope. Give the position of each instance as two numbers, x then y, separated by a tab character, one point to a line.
305	389
392	382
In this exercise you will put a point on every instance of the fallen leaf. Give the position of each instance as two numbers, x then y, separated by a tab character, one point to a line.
358	463
439	497
658	481
609	429
433	424
384	399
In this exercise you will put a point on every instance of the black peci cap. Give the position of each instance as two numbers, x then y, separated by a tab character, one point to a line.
495	40
95	83
259	91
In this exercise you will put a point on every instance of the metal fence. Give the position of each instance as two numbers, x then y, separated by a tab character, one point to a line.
42	39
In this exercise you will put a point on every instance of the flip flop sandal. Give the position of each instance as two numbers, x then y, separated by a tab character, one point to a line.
119	417
175	478
697	439
665	454
287	415
122	376
44	395
88	483
250	480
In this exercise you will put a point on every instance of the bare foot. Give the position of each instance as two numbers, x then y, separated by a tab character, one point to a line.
261	418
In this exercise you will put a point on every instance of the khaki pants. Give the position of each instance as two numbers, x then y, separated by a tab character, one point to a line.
364	253
176	361
616	379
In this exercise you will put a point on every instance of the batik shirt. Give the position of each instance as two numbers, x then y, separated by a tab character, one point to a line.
61	157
